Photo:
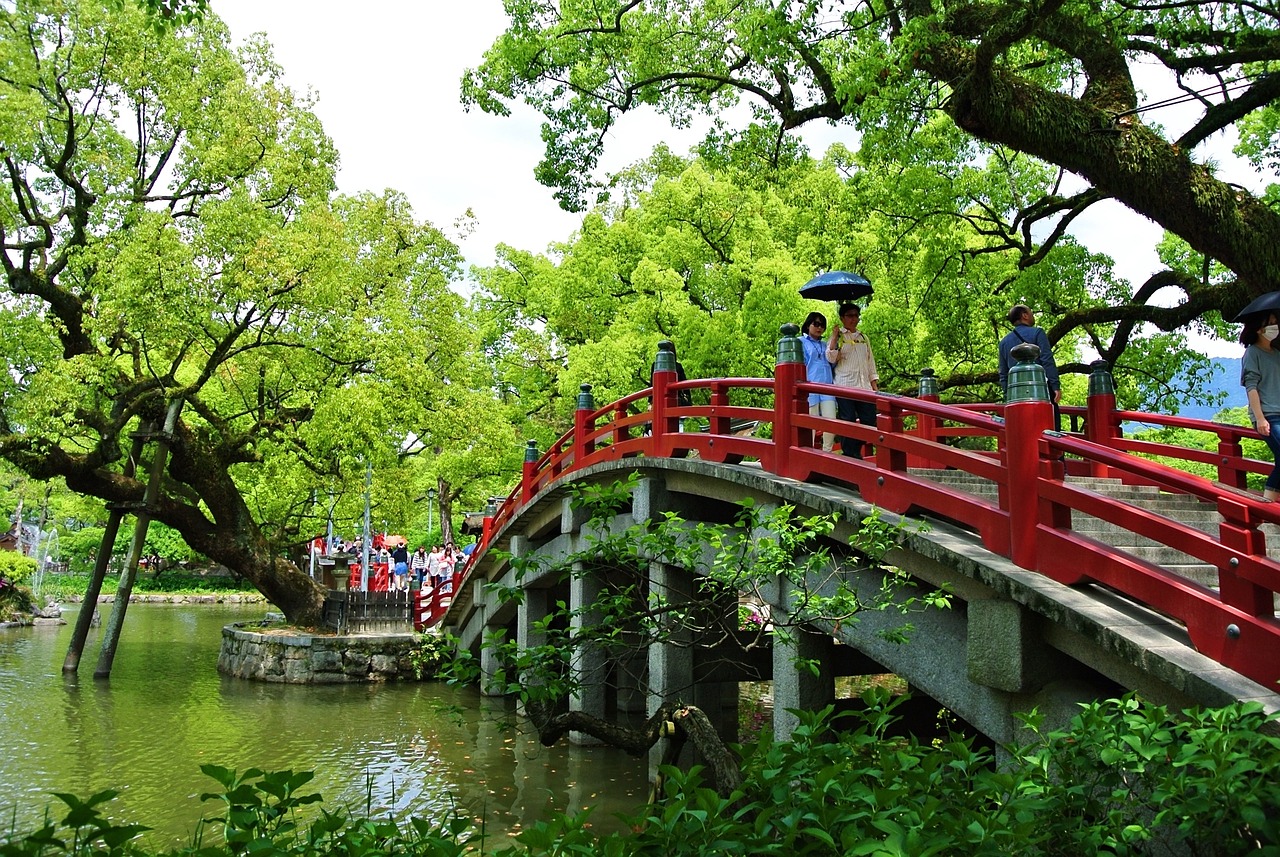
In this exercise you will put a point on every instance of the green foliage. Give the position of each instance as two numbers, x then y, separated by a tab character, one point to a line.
762	557
65	587
961	119
433	655
199	253
1125	778
17	567
712	258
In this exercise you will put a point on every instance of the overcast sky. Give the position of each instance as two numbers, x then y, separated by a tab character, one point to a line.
387	75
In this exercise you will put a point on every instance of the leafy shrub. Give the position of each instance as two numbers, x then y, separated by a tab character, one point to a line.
17	568
433	655
1126	778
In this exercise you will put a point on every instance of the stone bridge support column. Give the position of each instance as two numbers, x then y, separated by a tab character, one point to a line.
795	685
803	674
530	633
588	661
490	665
671	661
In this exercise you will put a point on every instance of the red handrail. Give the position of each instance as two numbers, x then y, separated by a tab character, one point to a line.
1029	521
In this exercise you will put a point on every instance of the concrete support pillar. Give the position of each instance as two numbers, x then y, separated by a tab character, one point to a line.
651	500
670	662
530	631
589	665
490	665
1004	650
632	677
571	518
794	683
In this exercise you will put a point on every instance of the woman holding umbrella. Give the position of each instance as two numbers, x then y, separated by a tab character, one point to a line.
1260	376
855	366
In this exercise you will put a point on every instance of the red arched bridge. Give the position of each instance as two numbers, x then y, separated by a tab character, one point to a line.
1097	545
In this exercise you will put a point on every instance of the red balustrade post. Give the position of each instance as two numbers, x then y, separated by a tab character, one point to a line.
890	420
530	474
926	425
719	424
486	526
1101	426
787	402
664	375
1230	469
1028	414
583	426
620	432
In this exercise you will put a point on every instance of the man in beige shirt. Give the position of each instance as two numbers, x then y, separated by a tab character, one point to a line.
855	366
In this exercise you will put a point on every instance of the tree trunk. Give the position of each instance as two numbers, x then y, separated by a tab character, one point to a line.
446	511
675	721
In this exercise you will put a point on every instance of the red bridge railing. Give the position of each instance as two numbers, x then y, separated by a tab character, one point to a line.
1029	521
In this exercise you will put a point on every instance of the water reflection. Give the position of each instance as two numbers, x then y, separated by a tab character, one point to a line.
398	749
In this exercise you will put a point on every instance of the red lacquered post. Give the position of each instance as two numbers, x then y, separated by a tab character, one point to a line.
926	425
1028	415
530	472
486	526
664	375
787	402
583	426
1101	426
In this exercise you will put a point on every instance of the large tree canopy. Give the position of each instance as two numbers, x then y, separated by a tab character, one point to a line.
1058	82
709	257
170	234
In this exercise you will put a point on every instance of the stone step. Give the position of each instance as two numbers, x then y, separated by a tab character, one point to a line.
1186	510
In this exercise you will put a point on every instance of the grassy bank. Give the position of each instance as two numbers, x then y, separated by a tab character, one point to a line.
71	587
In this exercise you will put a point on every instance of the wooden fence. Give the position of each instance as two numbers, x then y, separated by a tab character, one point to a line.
355	612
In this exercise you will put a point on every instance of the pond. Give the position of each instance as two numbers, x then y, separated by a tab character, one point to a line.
399	749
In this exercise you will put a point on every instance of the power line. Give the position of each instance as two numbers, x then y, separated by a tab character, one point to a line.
1243	83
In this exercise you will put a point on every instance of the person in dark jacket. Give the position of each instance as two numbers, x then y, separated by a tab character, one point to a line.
1025	330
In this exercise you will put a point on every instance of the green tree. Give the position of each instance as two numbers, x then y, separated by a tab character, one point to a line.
939	94
704	253
170	234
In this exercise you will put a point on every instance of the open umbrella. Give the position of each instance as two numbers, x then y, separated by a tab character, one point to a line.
1270	302
836	286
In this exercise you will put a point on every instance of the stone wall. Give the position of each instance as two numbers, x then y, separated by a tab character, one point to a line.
293	657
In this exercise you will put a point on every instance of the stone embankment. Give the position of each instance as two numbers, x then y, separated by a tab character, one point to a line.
261	652
167	598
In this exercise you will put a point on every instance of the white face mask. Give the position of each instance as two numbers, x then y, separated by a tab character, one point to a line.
1270	332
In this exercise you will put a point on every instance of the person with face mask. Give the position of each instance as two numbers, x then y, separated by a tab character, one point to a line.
1260	377
1025	330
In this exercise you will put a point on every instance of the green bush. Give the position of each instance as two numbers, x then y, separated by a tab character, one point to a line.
1125	779
17	568
433	656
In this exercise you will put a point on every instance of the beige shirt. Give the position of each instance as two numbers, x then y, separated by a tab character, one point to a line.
855	365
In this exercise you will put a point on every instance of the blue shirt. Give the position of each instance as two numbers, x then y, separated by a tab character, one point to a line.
817	369
1035	336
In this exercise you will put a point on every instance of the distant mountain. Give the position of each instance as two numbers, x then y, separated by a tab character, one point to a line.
1225	378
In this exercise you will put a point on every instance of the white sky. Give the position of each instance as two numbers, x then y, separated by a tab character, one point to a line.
387	74
388	78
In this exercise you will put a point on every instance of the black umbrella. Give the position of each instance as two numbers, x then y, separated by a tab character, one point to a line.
1270	302
836	286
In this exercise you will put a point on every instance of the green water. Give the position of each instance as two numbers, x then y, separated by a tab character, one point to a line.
394	749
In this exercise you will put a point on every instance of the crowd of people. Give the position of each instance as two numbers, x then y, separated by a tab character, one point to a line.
425	569
844	358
